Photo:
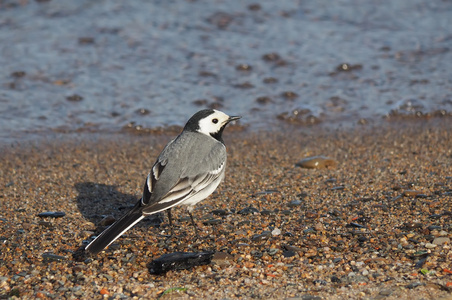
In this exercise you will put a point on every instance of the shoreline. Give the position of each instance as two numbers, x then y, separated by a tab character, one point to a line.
315	211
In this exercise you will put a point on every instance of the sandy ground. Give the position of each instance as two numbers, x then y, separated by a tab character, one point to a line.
378	225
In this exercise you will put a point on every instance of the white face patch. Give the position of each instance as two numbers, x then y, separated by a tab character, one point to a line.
213	123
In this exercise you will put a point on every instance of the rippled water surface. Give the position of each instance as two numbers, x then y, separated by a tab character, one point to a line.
105	65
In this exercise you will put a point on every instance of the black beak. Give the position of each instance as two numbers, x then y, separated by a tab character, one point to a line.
233	118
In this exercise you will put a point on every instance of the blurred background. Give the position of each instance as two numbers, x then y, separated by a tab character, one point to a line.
83	66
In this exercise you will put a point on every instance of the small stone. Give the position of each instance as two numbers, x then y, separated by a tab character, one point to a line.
18	74
212	222
414	285
276	232
259	237
266	212
336	260
434	227
316	162
273	251
74	98
248	210
289	95
411	193
222	259
338	188
443	233
179	261
143	111
345	67
45	224
254	6
319	227
352	224
435	216
263	100
308	230
440	241
294	203
292	248
52	257
385	292
219	212
269	80
243	67
430	246
52	214
107	221
85	40
289	253
104	292
271	57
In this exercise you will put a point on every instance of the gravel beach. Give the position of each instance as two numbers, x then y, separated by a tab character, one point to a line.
373	222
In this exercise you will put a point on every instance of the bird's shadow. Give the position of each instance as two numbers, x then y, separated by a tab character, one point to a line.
95	201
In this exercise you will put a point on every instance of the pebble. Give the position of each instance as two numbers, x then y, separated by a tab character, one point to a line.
434	227
219	212
107	221
316	162
411	193
52	257
338	188
272	251
440	241
52	214
319	227
266	212
259	237
294	203
248	210
276	232
45	224
222	259
212	222
289	253
289	95
243	67
74	98
430	246
179	261
414	285
385	292
292	248
356	225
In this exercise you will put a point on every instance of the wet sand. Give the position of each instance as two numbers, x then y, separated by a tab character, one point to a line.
375	226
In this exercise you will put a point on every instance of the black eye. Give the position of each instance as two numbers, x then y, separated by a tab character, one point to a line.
214	121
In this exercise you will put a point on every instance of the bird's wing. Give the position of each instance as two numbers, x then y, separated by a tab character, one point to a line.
187	166
154	174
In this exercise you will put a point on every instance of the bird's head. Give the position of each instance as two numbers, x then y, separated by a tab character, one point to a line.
210	122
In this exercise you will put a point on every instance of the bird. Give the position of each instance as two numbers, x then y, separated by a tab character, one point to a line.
187	171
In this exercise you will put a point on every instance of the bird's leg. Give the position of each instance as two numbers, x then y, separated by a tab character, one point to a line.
170	219
193	222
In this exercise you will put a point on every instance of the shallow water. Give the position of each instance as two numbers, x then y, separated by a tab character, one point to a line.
105	65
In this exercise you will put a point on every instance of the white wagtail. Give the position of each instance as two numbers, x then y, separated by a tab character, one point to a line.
187	171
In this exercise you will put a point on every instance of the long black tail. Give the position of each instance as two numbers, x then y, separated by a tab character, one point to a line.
113	232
